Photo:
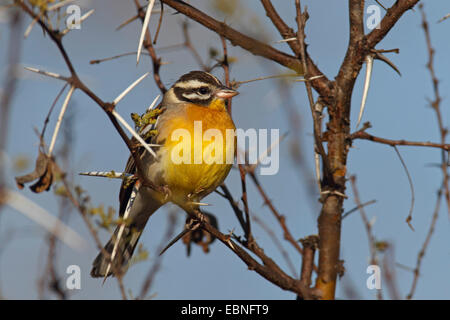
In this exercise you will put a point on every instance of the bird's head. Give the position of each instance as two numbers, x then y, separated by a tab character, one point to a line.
200	88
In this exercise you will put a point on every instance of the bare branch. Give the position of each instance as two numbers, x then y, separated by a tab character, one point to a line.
310	245
366	136
435	104
322	85
301	23
393	14
235	37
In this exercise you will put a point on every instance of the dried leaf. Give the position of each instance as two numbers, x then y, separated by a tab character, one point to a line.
43	171
200	236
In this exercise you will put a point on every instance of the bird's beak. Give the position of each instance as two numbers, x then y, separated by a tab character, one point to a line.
225	93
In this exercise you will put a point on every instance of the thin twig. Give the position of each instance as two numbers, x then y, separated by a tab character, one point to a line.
96	61
365	204
368	226
435	104
276	76
425	245
277	242
301	22
377	1
411	185
226	69
248	231
237	211
191	47
322	85
366	136
159	24
389	272
47	119
280	218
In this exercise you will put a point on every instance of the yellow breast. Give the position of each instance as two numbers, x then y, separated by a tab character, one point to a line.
199	150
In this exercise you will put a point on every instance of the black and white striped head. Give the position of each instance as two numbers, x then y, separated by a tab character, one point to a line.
200	88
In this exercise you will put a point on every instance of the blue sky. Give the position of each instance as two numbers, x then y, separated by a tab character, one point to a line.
396	106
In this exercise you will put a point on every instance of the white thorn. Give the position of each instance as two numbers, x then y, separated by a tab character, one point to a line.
44	219
340	194
286	40
107	174
122	225
58	122
444	17
31	25
317	165
199	204
369	67
84	17
127	90
131	130
231	245
87	15
309	79
144	28
48	74
153	105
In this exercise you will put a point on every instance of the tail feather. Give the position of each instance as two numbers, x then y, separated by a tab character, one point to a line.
141	208
103	266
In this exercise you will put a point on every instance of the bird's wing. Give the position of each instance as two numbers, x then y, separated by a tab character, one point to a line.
127	188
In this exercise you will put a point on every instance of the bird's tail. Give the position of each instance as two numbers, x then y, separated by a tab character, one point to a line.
136	211
104	266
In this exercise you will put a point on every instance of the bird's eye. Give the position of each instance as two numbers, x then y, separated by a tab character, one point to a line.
203	90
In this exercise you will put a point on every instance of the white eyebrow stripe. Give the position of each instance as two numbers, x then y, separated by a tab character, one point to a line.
192	84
